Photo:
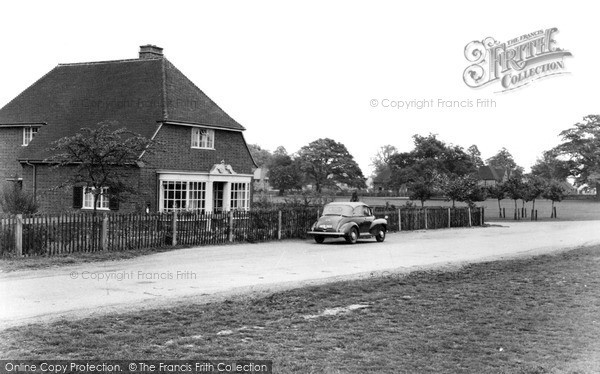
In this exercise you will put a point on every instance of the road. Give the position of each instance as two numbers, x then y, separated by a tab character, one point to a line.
211	273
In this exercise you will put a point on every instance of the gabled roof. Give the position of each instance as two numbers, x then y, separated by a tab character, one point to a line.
137	93
491	173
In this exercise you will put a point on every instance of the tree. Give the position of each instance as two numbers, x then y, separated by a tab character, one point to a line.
462	188
261	156
14	200
533	187
421	190
382	159
284	172
554	192
327	162
431	161
498	192
581	146
503	159
514	189
550	167
100	158
475	156
381	164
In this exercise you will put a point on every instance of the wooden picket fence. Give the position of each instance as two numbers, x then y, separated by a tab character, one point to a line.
52	235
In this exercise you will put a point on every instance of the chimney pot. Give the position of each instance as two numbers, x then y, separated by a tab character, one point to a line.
149	51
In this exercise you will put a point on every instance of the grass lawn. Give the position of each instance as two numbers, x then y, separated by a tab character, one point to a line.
537	315
568	210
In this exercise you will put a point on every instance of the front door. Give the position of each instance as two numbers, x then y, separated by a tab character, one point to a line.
218	194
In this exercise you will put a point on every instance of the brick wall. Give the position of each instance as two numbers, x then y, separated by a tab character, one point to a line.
176	154
179	155
55	200
11	140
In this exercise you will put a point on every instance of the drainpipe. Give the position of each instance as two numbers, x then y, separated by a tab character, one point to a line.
34	179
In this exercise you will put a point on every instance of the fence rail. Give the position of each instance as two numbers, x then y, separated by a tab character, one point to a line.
52	235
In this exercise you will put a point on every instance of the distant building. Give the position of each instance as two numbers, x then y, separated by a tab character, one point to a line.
490	176
261	179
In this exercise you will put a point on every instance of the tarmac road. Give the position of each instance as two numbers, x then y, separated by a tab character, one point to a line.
210	273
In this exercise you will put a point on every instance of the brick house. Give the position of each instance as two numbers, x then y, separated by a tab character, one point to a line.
204	163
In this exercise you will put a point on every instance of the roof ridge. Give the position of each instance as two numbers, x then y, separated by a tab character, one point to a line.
109	61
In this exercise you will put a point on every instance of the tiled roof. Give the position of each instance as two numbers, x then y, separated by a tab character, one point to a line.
491	173
137	93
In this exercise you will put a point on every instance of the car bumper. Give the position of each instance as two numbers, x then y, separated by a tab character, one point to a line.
327	233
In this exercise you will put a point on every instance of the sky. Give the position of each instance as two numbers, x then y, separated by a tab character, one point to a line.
293	72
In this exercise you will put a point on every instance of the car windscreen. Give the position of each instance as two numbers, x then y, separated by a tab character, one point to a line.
337	210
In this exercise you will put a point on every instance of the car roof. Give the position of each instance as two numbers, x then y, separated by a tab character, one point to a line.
348	203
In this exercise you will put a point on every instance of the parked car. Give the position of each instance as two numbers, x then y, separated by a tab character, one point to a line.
348	220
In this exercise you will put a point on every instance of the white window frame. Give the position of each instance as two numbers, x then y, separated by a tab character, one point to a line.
28	134
192	196
103	202
203	138
239	196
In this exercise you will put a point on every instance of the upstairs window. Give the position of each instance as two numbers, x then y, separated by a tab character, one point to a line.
203	138
28	134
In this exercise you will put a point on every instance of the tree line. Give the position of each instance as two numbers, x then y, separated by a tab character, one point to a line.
436	168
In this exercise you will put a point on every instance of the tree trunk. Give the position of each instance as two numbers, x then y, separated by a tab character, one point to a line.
96	196
499	209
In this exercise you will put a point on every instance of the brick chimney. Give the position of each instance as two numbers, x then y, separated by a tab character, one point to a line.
149	51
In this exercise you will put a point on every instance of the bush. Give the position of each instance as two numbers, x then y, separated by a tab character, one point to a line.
14	200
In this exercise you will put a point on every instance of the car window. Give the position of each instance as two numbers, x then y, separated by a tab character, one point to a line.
337	210
367	211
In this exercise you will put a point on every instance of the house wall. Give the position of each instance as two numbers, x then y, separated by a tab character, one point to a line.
11	140
55	200
176	154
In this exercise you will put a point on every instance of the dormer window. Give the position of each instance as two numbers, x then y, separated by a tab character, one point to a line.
203	138
28	134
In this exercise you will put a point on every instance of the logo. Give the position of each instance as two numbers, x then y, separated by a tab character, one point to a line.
515	63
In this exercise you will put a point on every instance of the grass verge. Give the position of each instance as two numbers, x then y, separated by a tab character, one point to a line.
537	315
9	264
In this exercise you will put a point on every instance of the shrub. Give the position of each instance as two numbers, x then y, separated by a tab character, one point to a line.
14	200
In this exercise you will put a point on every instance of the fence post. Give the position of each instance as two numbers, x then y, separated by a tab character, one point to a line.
174	228
279	225
230	226
104	237
470	221
399	220
19	234
449	218
425	214
481	216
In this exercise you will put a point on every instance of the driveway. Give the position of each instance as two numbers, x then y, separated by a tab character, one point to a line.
211	273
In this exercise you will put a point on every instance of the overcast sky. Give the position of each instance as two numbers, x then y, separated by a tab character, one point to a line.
292	72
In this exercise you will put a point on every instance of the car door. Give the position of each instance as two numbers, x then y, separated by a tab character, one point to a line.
368	218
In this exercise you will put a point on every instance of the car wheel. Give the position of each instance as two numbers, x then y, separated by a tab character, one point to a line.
319	239
352	236
380	236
